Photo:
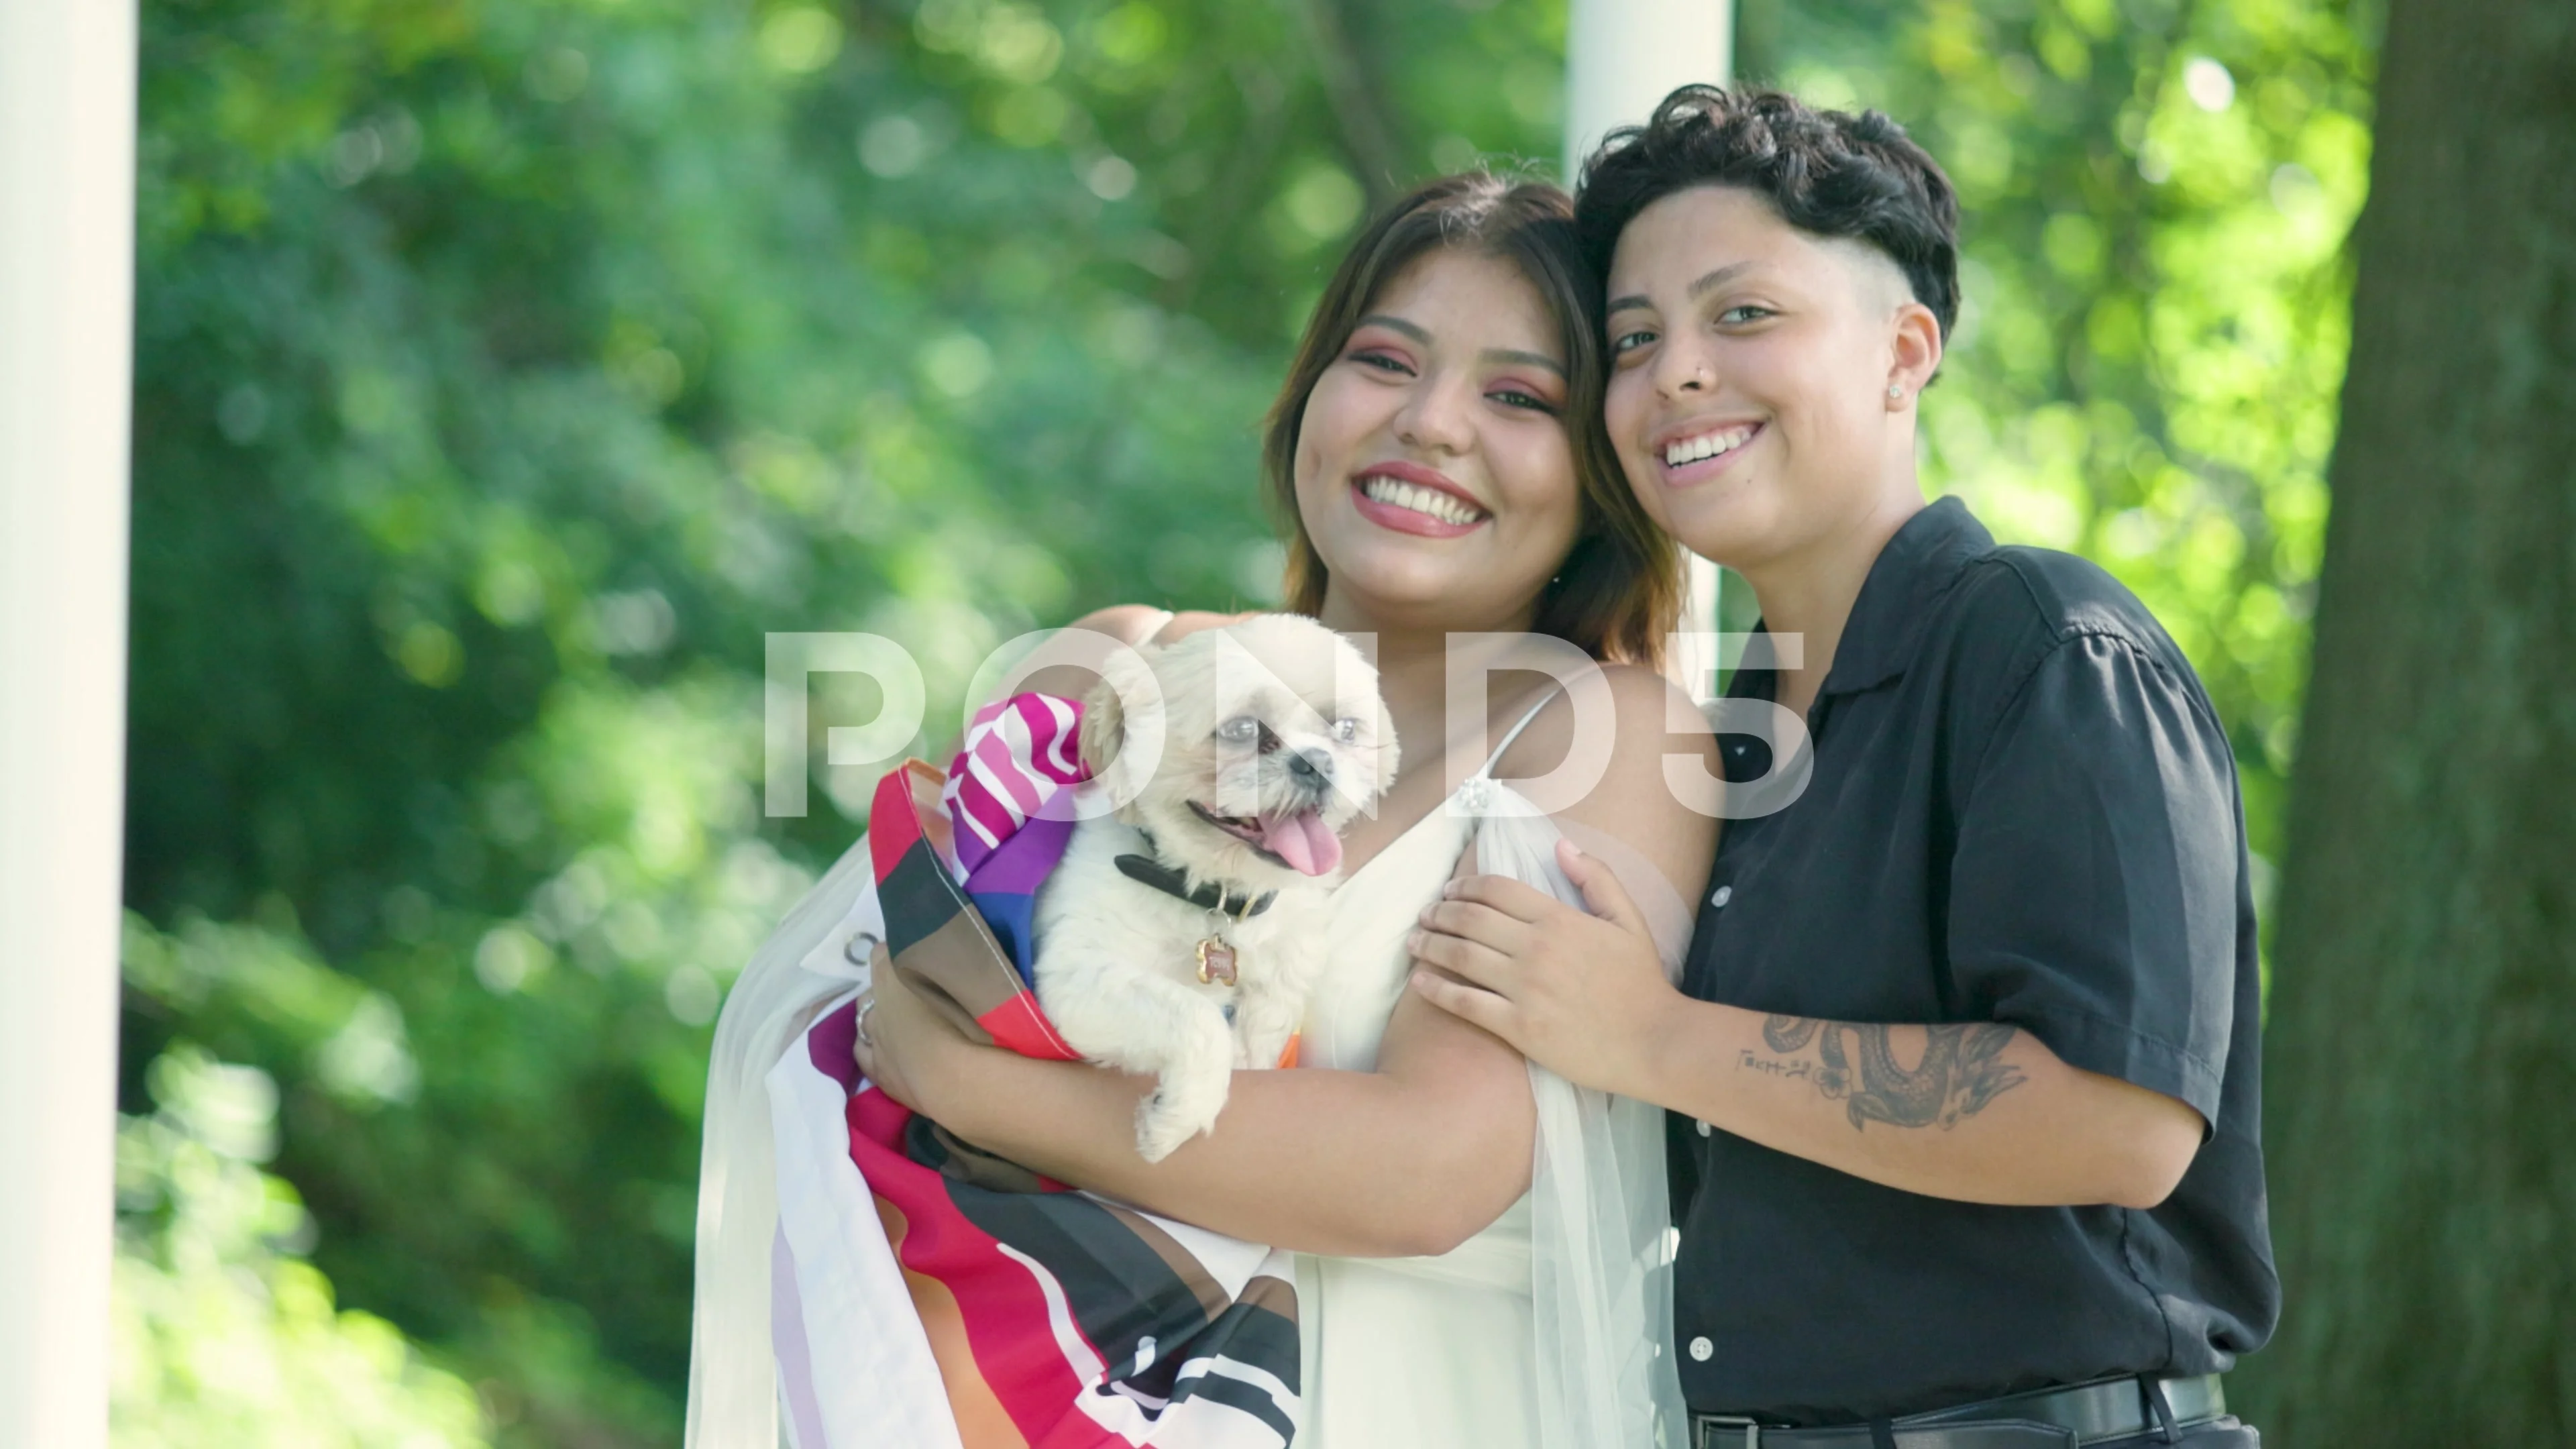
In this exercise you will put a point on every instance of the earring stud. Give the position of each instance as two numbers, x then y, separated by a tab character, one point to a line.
1896	389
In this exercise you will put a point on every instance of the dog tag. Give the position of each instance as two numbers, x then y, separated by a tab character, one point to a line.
1216	962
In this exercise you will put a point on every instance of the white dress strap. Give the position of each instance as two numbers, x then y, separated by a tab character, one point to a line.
1486	770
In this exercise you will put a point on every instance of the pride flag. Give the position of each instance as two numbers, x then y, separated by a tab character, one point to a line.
1058	1320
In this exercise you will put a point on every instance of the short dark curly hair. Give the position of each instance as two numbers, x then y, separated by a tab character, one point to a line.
1827	173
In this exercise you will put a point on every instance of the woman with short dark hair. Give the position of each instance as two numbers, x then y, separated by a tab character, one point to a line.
1965	1063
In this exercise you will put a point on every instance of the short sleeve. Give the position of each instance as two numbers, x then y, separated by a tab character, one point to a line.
2094	887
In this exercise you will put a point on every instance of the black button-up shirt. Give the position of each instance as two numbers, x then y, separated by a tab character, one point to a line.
2022	810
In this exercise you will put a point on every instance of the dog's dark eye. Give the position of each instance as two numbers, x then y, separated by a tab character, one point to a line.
1346	730
1243	729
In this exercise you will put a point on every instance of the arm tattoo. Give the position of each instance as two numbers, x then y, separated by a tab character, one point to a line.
1959	1074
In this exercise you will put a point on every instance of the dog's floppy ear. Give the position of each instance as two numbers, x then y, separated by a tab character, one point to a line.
1104	712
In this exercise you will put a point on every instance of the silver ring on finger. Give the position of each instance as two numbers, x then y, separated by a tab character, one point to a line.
866	1005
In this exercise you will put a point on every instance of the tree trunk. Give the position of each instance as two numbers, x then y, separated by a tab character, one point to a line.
2423	1020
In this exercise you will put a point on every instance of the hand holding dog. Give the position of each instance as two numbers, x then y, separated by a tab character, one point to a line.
902	1041
1583	995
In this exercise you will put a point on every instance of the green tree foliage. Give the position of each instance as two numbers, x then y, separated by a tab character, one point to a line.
221	1337
507	372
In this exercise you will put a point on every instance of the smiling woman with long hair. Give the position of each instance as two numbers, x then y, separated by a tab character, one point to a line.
1438	461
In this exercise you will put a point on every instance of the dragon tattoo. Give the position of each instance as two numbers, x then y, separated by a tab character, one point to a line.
1958	1076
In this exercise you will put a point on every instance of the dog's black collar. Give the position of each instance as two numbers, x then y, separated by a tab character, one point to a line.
1171	882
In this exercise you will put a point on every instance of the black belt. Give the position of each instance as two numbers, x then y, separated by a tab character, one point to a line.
2092	1413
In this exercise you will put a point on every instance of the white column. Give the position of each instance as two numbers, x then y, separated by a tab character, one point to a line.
66	325
1621	57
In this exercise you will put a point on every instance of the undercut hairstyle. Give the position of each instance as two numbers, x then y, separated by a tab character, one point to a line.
1827	173
1618	592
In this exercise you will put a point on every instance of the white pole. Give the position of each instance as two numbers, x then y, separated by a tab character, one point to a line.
66	328
1622	56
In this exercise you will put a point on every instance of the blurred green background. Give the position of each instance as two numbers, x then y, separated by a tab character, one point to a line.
505	371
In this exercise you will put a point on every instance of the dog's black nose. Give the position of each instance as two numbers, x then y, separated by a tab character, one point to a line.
1311	767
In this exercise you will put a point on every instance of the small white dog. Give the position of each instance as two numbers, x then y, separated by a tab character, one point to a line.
1180	935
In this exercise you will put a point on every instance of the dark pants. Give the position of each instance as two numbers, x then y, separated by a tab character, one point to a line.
2226	1433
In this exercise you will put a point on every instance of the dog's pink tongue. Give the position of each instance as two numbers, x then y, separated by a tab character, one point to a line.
1302	841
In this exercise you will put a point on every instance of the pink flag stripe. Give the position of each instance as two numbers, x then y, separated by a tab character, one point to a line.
1003	755
1061	759
1040	728
1019	753
985	797
987	816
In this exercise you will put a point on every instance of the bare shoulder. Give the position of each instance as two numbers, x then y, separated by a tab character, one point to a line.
1191	621
1642	743
1064	669
1135	624
1644	716
1129	624
1068	665
1653	705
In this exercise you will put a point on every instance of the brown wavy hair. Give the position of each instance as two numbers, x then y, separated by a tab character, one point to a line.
1618	592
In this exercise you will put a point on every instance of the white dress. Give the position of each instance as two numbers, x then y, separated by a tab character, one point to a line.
1550	1327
